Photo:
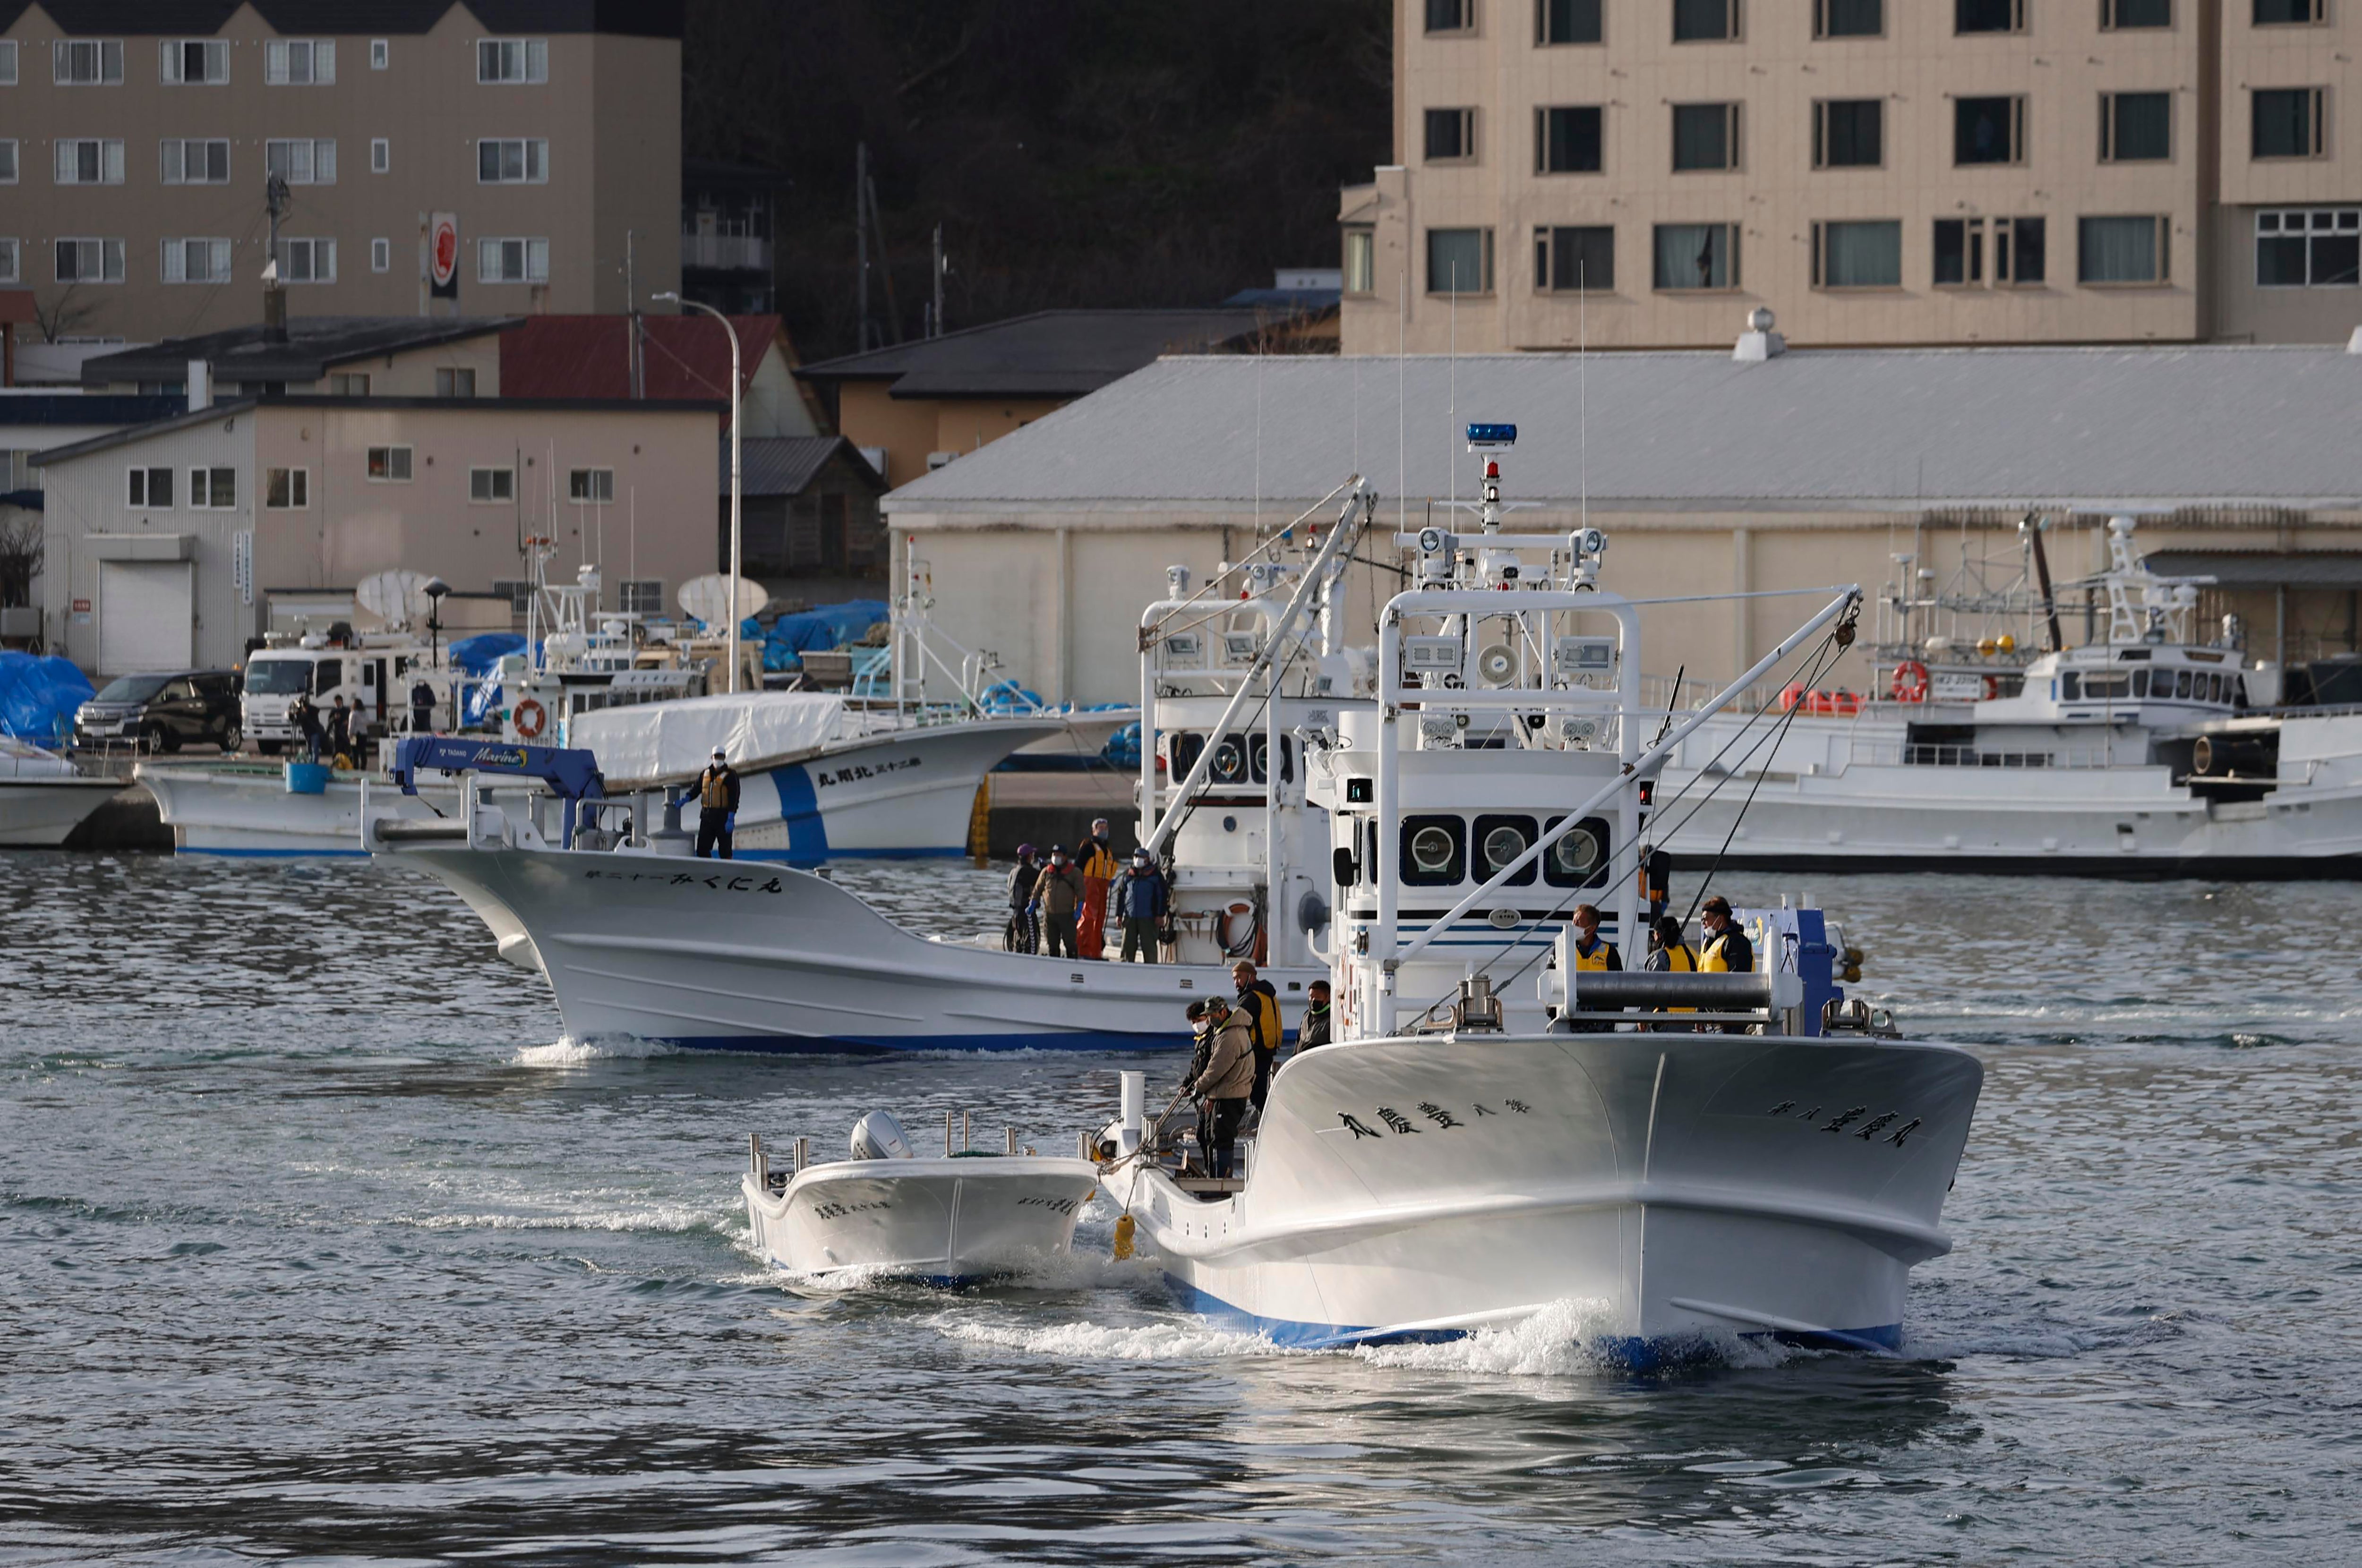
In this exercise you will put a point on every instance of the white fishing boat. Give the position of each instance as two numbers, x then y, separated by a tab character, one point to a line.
42	798
636	941
953	1219
1463	1157
2142	752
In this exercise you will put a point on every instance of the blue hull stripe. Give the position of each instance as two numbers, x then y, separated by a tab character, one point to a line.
799	809
1640	1354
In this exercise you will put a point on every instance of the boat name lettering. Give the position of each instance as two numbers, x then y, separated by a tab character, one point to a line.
1838	1124
1057	1205
865	770
838	1210
1395	1119
1396	1122
1868	1130
678	878
1438	1115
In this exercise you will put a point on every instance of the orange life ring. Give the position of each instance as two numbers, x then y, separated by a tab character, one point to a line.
529	718
1993	687
1910	684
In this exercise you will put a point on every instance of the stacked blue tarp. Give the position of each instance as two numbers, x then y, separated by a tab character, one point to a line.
1122	748
38	696
477	656
824	627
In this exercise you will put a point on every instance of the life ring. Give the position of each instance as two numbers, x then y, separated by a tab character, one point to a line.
1910	683
1993	687
529	718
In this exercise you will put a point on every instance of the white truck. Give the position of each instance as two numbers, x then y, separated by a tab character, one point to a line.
374	678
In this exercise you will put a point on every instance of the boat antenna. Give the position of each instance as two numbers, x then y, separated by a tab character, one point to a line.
1452	387
1583	389
1402	447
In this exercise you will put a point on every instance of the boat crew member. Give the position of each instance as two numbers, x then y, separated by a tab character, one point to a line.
1099	865
1202	1046
717	807
421	708
1140	896
1060	893
340	731
1595	953
1672	954
1260	1004
1022	877
1225	1083
1316	1019
306	720
1725	950
1656	884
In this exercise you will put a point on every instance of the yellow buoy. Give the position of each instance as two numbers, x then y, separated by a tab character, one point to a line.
2008	644
1986	646
1123	1229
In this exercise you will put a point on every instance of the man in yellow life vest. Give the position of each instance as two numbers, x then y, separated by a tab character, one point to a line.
1593	952
1673	956
1097	864
1259	1004
717	807
1726	950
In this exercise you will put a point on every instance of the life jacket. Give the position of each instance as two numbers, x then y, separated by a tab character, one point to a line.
1679	960
1262	1008
1714	961
1597	957
713	790
1097	860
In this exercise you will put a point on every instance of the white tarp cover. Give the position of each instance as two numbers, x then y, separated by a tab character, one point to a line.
651	741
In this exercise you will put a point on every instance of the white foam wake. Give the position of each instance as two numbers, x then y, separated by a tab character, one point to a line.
1105	1342
568	1052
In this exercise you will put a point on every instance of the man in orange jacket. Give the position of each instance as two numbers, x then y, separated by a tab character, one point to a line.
1099	867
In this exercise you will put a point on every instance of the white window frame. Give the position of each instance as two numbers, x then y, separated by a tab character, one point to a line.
207	474
584	487
110	251
315	249
172	61
107	159
2344	218
380	155
8	63
492	477
381	255
533	260
11	260
318	160
532	159
528	57
397	465
172	160
106	56
318	57
138	483
16	164
299	489
172	263
380	54
641	595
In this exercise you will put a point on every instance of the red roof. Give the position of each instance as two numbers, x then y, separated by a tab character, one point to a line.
683	357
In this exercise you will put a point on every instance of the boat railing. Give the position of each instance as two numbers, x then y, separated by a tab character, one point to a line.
1922	754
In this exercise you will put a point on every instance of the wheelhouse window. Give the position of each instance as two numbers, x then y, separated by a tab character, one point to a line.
1706	136
1579	859
1857	255
2120	250
1568	21
1499	841
1848	133
1575	260
1567	140
2135	127
2309	247
1696	256
1434	851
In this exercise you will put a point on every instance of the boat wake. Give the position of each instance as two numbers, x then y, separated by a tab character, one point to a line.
1185	1341
568	1052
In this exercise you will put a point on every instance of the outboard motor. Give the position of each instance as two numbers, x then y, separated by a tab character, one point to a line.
878	1136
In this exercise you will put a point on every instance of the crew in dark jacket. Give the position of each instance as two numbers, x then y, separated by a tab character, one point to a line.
1260	1004
1139	899
1314	1029
1725	949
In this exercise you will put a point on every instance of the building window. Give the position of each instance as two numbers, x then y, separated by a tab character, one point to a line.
1848	133
189	161
1459	260
1988	130
1849	18
307	260
1988	15
1571	261
1705	21
86	161
195	261
1567	21
1696	256
348	383
1360	260
511	60
1706	136
1567	140
451	382
89	260
512	261
1450	15
7	162
2288	121
642	595
381	255
150	489
2124	15
1865	254
8	63
380	155
286	490
2309	247
1451	136
192	63
2122	249
87	62
302	162
592	487
389	465
487	486
2135	127
520	592
9	266
299	62
212	490
380	51
512	161
2291	12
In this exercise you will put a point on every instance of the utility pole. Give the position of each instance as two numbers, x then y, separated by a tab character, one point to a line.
861	245
936	317
631	364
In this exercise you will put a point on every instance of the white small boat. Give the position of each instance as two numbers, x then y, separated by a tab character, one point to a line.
42	798
950	1220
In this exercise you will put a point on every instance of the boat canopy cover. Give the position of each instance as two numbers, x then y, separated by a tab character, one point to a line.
650	742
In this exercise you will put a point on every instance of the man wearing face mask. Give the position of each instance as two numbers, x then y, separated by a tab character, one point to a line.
1725	950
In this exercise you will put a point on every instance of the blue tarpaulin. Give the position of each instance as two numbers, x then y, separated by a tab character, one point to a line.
38	696
477	654
827	626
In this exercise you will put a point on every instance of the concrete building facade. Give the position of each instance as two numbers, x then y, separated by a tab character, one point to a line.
132	165
1877	171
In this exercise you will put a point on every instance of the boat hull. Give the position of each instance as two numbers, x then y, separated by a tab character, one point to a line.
1675	1187
41	812
950	1221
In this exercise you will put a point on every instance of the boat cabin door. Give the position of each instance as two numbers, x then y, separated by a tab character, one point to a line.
373	686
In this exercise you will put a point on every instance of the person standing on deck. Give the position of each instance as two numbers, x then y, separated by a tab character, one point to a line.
1060	894
1097	864
1140	895
1318	1023
1725	950
1593	951
1225	1084
717	807
1022	936
1260	1005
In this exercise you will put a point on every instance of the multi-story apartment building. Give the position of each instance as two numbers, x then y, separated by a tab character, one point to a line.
1643	173
134	165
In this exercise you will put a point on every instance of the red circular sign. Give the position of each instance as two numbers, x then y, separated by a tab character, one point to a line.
446	250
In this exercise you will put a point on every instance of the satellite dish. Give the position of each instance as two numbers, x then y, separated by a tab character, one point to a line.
708	598
396	597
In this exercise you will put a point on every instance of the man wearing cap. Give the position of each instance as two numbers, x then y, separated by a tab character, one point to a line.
717	807
1097	863
1140	896
1060	892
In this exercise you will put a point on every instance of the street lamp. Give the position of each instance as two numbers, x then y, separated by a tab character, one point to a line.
435	589
668	296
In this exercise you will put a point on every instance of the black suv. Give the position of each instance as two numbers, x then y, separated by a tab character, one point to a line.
163	712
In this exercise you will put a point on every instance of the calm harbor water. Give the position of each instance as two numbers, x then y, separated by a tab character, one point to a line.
316	1242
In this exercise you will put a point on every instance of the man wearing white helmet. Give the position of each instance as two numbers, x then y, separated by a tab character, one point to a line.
717	807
